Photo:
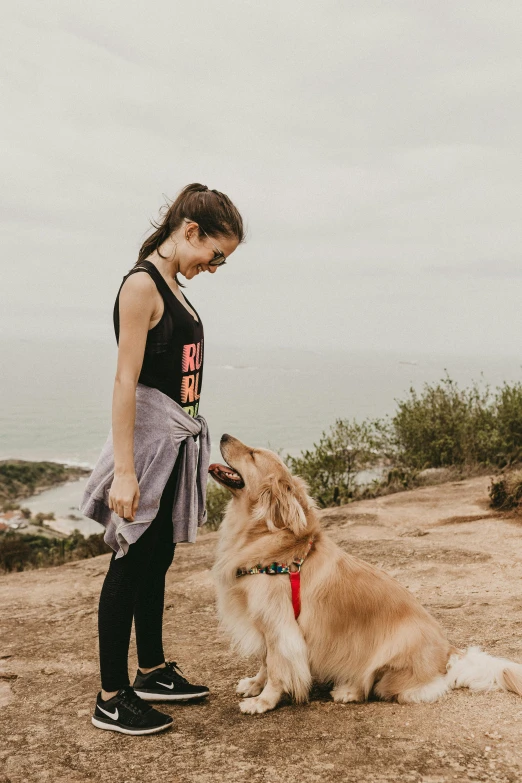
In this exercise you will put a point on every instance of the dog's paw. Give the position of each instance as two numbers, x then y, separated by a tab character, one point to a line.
255	706
345	694
249	686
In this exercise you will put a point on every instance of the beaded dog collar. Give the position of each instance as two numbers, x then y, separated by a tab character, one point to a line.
293	570
277	568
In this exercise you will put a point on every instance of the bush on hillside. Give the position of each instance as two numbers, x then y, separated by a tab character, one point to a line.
19	552
446	426
16	553
442	427
41	517
217	500
505	493
82	547
507	444
331	467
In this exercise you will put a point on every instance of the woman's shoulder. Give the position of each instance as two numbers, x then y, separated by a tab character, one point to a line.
137	290
138	279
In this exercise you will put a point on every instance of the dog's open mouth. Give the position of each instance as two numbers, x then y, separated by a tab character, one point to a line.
226	475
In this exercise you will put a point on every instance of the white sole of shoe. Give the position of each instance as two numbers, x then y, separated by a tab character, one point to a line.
135	732
169	697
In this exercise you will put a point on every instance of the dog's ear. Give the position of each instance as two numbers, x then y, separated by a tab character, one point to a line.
279	505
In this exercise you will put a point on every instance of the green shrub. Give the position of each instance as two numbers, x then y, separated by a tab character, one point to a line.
444	426
507	444
217	500
331	467
40	517
505	493
18	552
398	479
83	547
15	553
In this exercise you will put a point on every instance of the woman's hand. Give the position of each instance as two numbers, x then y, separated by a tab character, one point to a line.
124	495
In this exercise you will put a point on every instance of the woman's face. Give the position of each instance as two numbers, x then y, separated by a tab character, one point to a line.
195	253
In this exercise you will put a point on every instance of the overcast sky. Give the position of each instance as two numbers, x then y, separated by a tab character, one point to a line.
372	147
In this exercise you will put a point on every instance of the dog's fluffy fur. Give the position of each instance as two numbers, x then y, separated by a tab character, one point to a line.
358	628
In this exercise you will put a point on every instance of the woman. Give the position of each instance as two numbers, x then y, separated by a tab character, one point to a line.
142	487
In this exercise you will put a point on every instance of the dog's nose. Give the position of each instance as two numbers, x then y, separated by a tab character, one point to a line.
224	438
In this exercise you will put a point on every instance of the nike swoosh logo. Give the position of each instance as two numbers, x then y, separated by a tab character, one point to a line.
114	715
166	686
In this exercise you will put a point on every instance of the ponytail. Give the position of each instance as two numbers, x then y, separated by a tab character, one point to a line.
213	211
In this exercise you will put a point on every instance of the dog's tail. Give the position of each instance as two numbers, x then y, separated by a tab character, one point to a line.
478	671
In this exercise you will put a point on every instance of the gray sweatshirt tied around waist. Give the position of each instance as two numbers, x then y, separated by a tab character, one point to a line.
161	428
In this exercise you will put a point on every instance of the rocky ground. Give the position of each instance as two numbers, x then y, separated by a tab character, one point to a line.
460	559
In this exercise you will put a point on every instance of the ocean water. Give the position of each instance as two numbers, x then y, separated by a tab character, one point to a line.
56	395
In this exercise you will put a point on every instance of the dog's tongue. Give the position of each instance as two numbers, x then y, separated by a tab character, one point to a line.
217	467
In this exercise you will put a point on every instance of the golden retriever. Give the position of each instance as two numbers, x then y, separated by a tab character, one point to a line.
358	628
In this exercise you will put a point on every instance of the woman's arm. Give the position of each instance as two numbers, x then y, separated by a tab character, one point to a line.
137	304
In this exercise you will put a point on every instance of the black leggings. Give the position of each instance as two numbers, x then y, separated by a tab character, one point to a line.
135	587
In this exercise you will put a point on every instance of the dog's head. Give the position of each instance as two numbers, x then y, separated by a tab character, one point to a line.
260	479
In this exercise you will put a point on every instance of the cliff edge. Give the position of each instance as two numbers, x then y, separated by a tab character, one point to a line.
463	562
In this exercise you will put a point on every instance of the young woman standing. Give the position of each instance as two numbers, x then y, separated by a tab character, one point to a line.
160	363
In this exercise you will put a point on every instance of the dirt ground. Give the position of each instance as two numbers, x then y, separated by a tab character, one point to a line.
461	560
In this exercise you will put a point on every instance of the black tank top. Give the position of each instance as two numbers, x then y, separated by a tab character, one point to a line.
173	358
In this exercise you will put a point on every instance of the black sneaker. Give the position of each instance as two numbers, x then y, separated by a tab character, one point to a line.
167	684
127	713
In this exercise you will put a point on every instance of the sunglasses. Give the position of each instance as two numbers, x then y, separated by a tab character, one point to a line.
219	257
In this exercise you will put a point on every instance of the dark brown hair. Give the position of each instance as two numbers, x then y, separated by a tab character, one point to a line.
211	210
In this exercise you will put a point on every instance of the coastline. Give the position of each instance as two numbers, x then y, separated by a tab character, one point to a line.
29	489
21	478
